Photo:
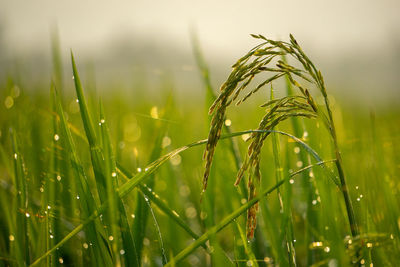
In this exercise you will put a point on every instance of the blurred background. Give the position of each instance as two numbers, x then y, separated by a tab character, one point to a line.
355	43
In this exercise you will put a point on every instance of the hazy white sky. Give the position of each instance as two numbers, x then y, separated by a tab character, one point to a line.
222	26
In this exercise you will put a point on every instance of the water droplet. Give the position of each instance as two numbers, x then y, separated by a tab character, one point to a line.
154	112
361	196
203	215
51	236
350	241
77	100
175	213
356	187
291	181
369	245
56	137
297	150
9	102
305	135
85	246
243	201
102	121
245	137
166	141
122	252
111	238
77	196
176	160
316	244
267	260
61	260
391	236
11	238
139	169
73	77
299	164
41	189
191	212
311	174
114	174
358	199
327	249
58	178
228	122
15	156
314	202
27	215
184	190
146	169
48	207
133	216
362	261
249	263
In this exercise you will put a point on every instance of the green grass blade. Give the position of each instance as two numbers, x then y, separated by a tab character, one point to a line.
151	168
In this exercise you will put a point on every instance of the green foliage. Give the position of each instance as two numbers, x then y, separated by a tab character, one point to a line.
108	184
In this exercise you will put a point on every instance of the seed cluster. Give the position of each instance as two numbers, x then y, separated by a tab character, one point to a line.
265	59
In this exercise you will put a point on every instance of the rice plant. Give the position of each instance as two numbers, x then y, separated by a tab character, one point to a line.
87	181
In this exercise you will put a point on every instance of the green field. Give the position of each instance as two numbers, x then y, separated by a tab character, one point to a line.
116	178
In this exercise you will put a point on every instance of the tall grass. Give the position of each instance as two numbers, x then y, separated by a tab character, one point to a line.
103	187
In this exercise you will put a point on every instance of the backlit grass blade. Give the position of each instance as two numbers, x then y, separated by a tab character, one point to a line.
120	228
85	196
21	212
284	199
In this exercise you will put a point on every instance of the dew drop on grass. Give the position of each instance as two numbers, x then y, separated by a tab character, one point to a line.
146	169
191	212
184	190
228	122
291	181
122	252
114	174
245	137
15	156
77	196
11	238
327	249
77	100
146	241
166	141
176	160
56	137
85	246
267	260
27	215
133	216
48	207
102	121
369	245
73	77
297	150
58	178
9	102
139	169
61	260
249	263
41	189
111	238
356	187
243	201
51	236
154	112
299	164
